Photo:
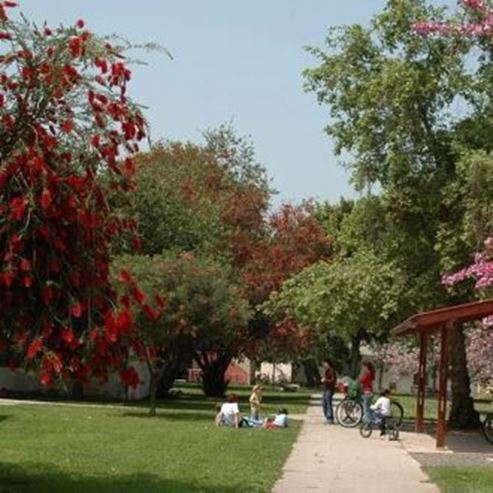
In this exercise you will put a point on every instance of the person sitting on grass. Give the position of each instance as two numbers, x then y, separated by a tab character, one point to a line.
381	410
280	421
229	412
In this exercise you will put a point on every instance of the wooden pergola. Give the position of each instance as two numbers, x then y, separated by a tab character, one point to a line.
424	324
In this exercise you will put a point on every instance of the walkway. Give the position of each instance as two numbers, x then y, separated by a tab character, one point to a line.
331	459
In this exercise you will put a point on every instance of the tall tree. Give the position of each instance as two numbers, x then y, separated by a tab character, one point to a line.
183	305
213	199
391	96
356	299
210	199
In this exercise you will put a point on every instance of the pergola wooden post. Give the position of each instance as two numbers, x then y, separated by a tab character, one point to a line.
423	347
442	385
443	320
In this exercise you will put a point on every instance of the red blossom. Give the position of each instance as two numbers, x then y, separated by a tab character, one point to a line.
18	207
126	277
46	379
130	377
151	313
27	281
160	301
67	126
34	348
67	334
138	295
25	265
77	310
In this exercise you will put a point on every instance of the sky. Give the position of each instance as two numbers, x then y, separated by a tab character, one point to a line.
236	61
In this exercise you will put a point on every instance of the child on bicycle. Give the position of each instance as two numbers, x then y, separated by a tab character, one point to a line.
381	410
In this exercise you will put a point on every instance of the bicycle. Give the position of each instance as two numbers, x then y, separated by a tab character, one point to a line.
487	427
349	412
391	427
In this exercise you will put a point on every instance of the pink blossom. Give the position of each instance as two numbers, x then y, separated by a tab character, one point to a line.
479	339
482	27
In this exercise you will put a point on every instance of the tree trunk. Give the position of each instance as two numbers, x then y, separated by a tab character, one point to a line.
213	375
254	366
167	380
312	372
174	360
153	384
355	356
76	390
462	414
381	370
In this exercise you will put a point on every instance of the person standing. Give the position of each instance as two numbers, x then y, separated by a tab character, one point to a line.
366	380
329	381
255	402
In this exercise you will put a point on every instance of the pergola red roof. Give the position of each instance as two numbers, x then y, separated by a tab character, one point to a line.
443	320
433	320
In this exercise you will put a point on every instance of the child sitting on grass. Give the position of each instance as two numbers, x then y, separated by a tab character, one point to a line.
280	421
229	413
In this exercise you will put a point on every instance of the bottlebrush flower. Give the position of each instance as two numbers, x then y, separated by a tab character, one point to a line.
34	348
77	310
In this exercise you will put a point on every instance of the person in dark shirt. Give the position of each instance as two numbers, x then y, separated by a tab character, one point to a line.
329	381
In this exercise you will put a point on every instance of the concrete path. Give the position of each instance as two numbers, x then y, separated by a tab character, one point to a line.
332	459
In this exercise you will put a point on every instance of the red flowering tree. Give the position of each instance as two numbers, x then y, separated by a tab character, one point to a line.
294	240
213	200
64	117
266	251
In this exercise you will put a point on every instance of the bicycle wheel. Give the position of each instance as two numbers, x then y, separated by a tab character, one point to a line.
397	413
394	434
365	430
349	413
488	428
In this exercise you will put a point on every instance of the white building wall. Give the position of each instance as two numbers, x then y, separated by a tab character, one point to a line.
18	381
279	372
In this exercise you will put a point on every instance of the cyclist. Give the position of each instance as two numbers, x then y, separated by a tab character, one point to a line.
381	410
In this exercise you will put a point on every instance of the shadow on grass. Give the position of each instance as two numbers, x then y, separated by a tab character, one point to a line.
172	416
198	403
286	398
188	404
4	417
45	478
468	442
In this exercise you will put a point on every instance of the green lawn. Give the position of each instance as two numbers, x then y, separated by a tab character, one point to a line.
463	479
54	448
431	406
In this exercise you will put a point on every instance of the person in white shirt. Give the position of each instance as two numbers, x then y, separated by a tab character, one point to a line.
229	414
381	410
280	421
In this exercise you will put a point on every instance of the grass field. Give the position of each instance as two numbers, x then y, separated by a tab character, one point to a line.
431	406
55	448
463	479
